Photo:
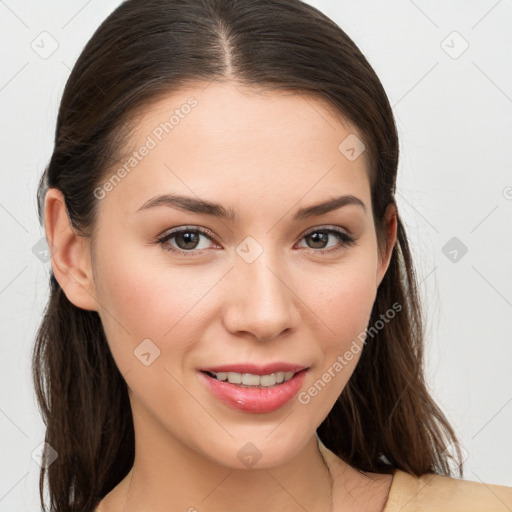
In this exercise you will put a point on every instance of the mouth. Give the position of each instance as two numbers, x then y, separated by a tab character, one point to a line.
254	389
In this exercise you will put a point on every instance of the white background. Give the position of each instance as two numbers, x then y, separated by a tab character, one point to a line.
455	180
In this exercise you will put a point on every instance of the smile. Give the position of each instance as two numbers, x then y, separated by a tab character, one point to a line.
254	389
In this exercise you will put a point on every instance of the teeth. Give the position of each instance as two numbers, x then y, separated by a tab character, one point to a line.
268	380
248	379
235	378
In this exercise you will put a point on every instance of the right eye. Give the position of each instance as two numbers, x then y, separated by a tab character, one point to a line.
186	241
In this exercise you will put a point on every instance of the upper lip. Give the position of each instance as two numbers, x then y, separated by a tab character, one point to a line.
255	369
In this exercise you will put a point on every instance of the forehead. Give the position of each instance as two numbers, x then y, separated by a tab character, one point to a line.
222	140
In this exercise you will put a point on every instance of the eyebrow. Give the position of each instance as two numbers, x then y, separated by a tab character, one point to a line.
192	204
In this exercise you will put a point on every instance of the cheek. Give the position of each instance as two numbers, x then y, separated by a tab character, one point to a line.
351	305
129	301
344	298
142	299
344	305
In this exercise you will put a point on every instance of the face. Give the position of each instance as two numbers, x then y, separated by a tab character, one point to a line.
180	292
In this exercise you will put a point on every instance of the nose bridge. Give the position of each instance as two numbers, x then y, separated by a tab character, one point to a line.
261	300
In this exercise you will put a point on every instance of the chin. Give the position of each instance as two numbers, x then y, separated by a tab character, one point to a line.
259	450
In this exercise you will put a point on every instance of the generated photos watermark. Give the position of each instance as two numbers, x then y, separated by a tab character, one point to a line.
343	359
157	135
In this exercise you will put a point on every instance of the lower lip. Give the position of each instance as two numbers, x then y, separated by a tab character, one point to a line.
256	399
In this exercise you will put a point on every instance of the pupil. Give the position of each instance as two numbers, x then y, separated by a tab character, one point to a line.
317	238
189	237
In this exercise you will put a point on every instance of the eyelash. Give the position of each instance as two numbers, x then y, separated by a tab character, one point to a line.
344	239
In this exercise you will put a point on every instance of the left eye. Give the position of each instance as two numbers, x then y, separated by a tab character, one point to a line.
319	238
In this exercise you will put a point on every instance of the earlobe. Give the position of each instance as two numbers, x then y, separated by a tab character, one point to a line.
71	261
391	233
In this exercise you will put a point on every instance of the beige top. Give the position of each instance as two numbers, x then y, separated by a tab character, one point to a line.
436	493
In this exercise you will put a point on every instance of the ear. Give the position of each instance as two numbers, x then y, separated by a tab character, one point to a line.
391	231
71	256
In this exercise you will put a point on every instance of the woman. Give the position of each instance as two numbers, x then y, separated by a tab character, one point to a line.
233	321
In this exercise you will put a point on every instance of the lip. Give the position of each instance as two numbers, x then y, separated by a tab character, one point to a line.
255	369
254	399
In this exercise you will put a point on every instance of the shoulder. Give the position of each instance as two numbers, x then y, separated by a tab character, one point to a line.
436	493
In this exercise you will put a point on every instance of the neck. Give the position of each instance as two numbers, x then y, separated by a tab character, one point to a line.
168	475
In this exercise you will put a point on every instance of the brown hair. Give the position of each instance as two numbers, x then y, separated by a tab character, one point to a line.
385	417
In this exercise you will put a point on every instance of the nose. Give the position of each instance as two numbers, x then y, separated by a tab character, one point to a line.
261	299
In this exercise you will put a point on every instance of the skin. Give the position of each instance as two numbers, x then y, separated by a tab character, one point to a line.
264	154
